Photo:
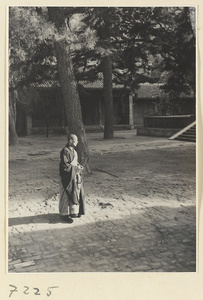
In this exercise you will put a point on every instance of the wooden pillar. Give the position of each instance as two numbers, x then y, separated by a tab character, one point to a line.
28	125
131	114
100	111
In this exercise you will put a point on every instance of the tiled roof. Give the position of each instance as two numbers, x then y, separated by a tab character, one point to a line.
98	83
47	84
145	90
153	91
149	90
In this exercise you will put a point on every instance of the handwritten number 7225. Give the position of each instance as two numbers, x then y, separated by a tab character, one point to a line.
26	291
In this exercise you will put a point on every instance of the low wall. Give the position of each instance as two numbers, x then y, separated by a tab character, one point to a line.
176	121
159	132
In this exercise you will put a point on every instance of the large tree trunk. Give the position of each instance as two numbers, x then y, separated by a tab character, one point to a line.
107	77
108	97
13	138
69	87
71	99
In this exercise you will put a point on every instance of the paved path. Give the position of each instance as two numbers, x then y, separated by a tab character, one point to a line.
140	208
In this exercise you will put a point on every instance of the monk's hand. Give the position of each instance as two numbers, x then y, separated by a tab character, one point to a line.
80	167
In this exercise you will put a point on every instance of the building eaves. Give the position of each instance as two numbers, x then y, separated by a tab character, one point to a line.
145	90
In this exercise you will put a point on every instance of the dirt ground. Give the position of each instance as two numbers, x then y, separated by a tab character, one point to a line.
130	175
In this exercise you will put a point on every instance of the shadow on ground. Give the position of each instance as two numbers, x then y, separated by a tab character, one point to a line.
158	239
43	218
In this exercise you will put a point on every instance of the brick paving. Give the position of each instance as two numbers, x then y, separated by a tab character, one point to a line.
140	202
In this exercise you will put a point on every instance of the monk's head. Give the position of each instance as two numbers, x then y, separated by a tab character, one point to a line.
72	140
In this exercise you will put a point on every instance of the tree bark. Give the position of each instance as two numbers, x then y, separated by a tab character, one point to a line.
69	88
107	77
108	98
71	99
13	138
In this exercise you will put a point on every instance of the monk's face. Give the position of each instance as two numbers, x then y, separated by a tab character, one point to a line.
73	141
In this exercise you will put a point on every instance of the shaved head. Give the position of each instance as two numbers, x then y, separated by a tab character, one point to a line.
72	137
72	140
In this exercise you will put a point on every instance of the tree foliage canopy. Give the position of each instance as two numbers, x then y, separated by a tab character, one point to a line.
128	34
144	44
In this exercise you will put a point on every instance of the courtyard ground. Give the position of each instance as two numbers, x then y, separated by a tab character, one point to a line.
140	207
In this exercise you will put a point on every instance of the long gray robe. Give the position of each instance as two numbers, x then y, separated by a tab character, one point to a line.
71	188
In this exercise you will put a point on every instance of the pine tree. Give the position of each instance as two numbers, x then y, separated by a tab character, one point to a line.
68	82
178	50
26	31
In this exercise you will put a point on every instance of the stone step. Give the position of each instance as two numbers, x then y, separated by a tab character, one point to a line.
186	139
187	134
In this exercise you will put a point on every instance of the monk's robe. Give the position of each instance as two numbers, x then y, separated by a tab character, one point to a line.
71	183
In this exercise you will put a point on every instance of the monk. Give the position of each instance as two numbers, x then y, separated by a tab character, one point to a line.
71	202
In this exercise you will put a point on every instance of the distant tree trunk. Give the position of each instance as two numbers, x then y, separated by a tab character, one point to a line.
107	77
69	88
13	138
108	98
47	127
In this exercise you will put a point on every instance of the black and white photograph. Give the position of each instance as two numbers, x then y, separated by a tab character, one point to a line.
102	140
